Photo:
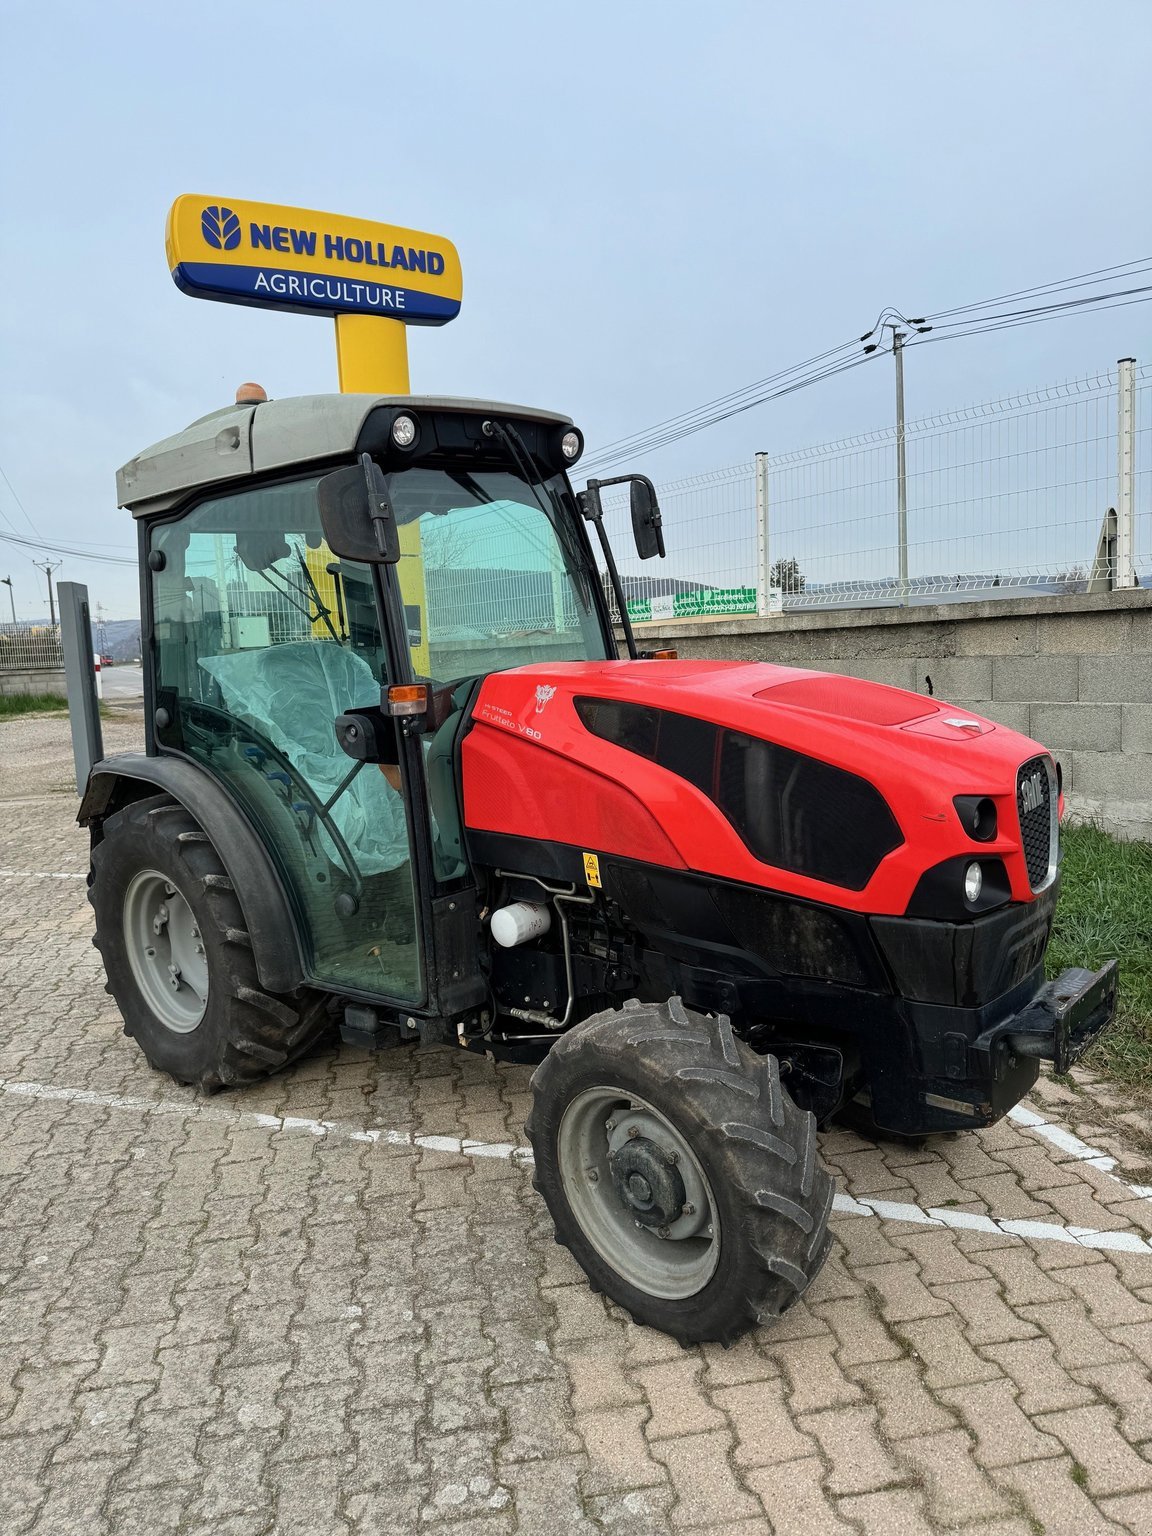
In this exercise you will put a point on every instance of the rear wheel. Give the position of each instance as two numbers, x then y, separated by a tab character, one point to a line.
678	1171
178	956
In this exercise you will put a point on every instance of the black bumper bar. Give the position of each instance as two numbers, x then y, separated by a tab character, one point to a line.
1061	1021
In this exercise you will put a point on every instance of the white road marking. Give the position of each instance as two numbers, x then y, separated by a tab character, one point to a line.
273	1123
1059	1137
38	874
1073	1147
844	1205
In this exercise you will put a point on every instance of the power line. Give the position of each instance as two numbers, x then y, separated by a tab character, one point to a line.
674	434
36	542
1092	301
1012	324
974	319
19	503
733	395
63	549
1058	285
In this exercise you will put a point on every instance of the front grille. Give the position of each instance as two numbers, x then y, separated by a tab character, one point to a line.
1037	818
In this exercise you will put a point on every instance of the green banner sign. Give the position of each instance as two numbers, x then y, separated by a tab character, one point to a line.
705	602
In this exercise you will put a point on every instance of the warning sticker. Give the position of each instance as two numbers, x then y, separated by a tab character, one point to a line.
592	870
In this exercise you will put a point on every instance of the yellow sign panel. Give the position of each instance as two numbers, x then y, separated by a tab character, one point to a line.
297	259
592	870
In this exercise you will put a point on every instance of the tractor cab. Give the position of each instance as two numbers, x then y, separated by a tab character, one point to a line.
315	656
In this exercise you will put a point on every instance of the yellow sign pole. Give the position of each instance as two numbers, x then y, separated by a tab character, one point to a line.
372	355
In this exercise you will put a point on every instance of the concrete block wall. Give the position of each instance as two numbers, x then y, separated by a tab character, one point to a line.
33	682
1072	672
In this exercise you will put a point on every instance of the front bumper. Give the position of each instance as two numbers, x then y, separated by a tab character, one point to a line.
1060	1022
969	1066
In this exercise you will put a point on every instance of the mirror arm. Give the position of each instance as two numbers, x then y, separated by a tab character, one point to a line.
590	506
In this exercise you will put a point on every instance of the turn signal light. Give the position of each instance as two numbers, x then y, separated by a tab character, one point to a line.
406	699
658	655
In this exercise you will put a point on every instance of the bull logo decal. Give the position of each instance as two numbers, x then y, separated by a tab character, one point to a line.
543	693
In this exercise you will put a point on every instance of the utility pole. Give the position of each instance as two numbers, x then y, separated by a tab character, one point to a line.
7	581
899	337
48	567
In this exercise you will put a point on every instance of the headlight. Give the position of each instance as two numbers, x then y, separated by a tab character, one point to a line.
959	889
403	431
565	445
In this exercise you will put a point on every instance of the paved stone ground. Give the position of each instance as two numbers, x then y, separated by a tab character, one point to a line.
220	1316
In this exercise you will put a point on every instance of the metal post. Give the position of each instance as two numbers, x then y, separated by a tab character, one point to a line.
1125	568
83	707
763	568
901	467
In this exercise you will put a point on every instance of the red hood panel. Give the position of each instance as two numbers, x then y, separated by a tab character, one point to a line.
902	743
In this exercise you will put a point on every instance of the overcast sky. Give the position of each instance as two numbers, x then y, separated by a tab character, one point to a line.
654	203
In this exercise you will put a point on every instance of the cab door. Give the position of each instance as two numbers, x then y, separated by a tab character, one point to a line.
261	639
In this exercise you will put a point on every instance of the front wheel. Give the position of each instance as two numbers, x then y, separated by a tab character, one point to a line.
678	1171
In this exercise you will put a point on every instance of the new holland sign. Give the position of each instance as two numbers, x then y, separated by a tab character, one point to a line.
310	263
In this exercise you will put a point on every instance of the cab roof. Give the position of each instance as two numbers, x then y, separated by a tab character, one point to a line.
243	440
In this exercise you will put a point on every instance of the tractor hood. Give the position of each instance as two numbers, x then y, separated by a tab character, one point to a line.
659	761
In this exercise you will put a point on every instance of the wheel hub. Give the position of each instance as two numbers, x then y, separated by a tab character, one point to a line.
165	951
638	1191
647	1183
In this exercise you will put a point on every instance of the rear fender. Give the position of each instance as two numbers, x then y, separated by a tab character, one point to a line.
276	941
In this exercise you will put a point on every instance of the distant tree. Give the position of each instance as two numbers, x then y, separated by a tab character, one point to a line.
787	575
1074	579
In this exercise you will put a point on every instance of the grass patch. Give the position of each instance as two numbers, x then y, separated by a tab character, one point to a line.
13	704
1105	913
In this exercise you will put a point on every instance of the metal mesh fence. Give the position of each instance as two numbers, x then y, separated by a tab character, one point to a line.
1006	495
710	535
1009	497
30	648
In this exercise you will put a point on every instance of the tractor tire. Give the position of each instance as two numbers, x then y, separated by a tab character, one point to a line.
178	957
678	1172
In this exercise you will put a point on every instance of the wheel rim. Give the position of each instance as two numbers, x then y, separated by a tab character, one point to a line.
626	1170
166	951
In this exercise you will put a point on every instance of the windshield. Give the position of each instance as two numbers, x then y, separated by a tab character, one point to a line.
491	571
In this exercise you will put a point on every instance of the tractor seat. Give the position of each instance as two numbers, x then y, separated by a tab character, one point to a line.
290	695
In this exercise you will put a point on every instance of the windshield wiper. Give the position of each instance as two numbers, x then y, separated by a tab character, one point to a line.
518	449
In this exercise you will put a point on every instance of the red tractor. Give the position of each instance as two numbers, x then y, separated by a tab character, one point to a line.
397	780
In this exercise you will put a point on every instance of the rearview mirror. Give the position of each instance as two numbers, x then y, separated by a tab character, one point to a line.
646	526
356	515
